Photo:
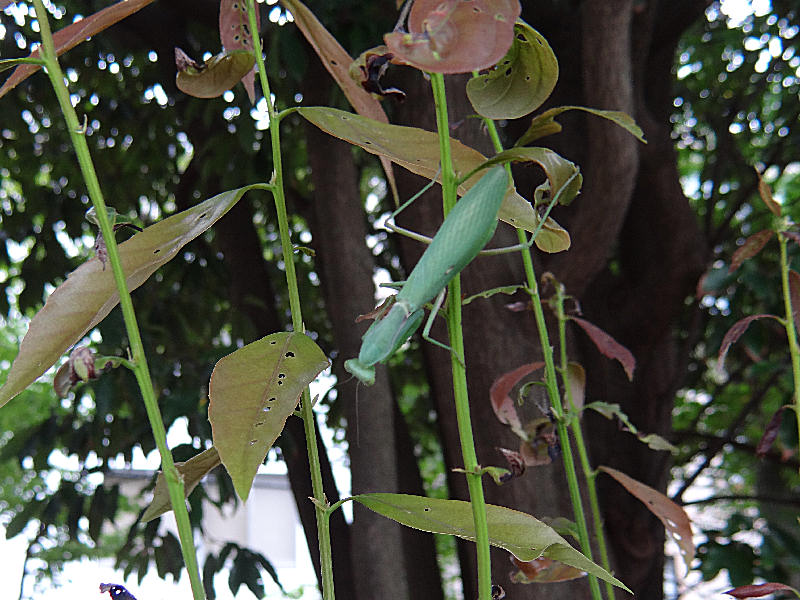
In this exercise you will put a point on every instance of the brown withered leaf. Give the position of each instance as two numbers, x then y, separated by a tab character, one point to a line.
516	464
500	396
608	346
751	247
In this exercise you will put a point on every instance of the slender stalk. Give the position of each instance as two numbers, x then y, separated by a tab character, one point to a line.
791	332
551	384
306	408
456	335
141	371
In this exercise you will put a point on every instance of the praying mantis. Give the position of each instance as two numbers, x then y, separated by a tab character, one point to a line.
461	237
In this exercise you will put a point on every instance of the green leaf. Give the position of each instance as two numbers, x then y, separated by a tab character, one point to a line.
609	411
89	293
214	77
521	534
545	123
520	82
11	63
192	471
253	391
418	151
504	289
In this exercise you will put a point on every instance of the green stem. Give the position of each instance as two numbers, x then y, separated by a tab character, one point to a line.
551	383
456	335
141	371
791	332
306	408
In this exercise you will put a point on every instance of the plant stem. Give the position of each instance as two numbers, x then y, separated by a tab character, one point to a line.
141	371
307	411
551	383
456	335
791	331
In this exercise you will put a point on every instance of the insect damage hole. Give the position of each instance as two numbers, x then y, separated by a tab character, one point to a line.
289	354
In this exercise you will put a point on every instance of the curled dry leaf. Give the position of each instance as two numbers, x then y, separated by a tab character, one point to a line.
759	590
674	518
608	346
212	78
751	247
368	70
500	396
516	464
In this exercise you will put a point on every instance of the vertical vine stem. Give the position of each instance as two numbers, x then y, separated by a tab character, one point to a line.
306	409
139	360
554	395
791	331
456	335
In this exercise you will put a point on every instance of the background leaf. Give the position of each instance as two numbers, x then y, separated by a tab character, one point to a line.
608	346
500	396
253	391
545	123
219	74
751	247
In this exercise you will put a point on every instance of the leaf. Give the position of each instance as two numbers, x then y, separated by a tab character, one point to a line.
337	61
500	396
235	34
505	289
89	293
674	518
545	124
759	590
252	392
543	570
608	346
609	411
520	82
455	36
11	63
524	536
418	151
576	380
751	247
214	77
771	432
766	195
516	464
192	471
794	296
735	332
70	36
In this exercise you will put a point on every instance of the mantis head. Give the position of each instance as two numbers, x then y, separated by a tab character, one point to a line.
364	373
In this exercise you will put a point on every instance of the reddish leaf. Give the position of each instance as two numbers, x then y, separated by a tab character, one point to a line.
762	589
608	346
456	36
750	248
70	36
766	195
794	294
543	570
516	464
674	518
235	34
735	332
792	235
502	403
770	433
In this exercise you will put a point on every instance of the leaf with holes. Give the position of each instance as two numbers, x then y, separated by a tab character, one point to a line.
500	396
735	332
761	589
751	247
418	151
192	471
545	123
674	518
70	36
253	391
608	346
455	36
89	293
215	76
235	34
521	534
520	82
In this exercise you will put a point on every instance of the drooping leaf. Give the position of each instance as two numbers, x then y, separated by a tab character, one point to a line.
504	289
771	432
521	534
608	346
761	589
545	123
192	471
252	392
520	82
500	396
455	36
337	62
214	77
766	195
543	570
735	332
235	34
751	247
674	518
576	380
609	411
794	296
70	36
418	151
89	293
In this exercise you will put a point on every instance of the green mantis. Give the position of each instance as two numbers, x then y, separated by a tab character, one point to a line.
463	234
